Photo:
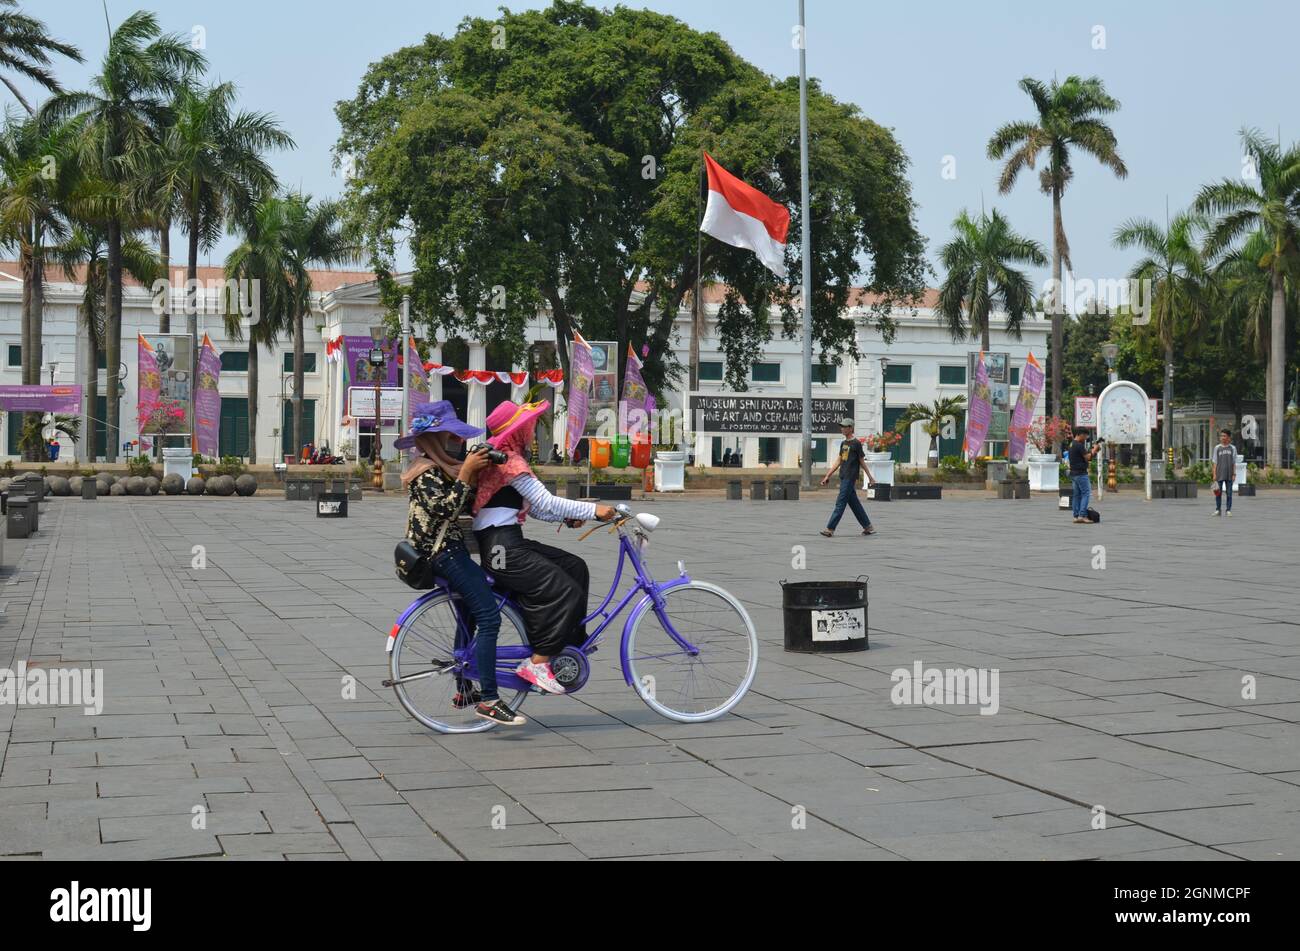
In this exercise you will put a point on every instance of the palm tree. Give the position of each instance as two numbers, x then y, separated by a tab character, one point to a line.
83	258
935	417
1273	210
1068	115
980	265
1182	288
210	162
116	117
25	49
37	174
262	264
317	238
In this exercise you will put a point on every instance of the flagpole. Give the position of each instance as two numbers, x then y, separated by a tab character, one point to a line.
406	365
806	254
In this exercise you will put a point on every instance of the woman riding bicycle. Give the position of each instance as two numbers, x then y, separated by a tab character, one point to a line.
549	584
439	487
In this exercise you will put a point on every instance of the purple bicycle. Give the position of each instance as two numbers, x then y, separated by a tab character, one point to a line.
688	648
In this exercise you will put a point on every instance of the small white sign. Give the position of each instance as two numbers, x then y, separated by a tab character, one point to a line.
361	402
843	625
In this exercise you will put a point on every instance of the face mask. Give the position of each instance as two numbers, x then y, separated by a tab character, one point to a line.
455	448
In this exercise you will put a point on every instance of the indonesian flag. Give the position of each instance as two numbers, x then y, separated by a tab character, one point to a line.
744	217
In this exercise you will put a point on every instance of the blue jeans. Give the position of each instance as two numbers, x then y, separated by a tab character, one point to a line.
466	578
848	497
1226	485
1080	495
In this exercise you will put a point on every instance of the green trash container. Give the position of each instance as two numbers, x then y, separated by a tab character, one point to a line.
620	452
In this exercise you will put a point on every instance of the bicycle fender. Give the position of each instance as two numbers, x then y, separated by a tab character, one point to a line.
642	606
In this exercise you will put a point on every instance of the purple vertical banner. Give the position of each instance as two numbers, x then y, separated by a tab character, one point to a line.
581	373
980	411
633	408
207	401
417	379
1031	387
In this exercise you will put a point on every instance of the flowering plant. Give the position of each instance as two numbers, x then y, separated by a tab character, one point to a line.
1046	431
161	416
882	442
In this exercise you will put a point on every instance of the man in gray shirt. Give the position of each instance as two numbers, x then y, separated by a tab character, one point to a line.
1224	461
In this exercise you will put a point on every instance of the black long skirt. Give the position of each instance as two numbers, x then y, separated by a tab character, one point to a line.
550	585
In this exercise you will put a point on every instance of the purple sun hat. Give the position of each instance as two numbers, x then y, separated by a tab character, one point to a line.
438	417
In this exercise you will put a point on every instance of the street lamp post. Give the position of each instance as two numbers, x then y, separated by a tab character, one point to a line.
376	363
884	364
1109	352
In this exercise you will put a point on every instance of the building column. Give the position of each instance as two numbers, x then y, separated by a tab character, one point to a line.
435	379
476	410
749	452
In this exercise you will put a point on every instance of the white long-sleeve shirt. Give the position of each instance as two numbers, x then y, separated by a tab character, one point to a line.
541	505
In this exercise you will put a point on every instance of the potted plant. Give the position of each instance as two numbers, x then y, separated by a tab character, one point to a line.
879	458
1044	434
933	419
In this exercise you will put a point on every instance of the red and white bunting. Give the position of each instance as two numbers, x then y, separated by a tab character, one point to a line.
554	378
439	369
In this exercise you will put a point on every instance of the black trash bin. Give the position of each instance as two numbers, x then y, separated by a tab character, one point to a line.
758	490
734	489
879	491
332	505
776	491
792	490
17	521
89	490
825	616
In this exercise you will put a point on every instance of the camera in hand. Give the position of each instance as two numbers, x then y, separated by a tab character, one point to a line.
495	456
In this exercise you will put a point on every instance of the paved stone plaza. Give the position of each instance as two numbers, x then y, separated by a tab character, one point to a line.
1120	688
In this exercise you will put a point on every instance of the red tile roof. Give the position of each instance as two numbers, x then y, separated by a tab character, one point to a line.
321	280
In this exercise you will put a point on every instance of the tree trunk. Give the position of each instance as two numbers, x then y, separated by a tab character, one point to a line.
165	261
1275	406
298	356
986	344
113	343
1167	432
697	328
1058	324
192	308
29	281
252	397
92	397
38	453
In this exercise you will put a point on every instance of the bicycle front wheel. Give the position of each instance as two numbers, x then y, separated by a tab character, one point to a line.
430	680
710	677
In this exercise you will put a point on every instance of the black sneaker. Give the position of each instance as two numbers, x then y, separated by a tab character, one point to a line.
467	696
498	712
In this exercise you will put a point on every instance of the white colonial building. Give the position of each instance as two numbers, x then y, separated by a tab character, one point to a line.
924	364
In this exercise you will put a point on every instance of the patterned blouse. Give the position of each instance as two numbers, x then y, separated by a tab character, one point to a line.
436	498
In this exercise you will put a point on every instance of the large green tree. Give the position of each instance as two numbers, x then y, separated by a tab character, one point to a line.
25	48
1068	116
1267	203
981	274
552	159
1182	289
117	117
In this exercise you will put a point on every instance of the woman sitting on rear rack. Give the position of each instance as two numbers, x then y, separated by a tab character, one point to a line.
549	584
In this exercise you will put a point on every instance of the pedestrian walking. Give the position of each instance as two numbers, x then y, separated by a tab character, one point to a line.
851	461
1224	460
1080	486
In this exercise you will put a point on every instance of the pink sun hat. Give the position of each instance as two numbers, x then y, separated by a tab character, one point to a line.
509	416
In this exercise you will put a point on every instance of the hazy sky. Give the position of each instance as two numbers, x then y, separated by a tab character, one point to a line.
941	73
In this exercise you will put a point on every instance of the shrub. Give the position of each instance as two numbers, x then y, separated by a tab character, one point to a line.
361	471
231	466
952	468
8	468
1198	472
1277	477
140	466
909	475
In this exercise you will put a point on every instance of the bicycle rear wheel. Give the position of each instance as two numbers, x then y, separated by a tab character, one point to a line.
428	675
693	687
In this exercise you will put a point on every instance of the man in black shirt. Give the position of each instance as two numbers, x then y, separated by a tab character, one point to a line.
850	462
1081	487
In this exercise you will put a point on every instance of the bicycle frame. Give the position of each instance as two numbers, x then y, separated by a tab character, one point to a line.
508	657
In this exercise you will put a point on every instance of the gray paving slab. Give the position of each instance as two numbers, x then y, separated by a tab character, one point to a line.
1120	687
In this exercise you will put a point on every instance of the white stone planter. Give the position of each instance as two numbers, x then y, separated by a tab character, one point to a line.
1044	472
881	465
178	460
670	471
1240	473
